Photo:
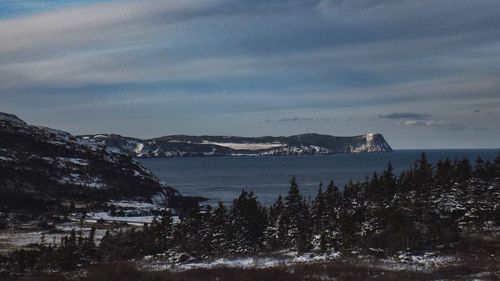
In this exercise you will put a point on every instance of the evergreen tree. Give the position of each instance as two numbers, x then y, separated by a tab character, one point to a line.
249	222
480	169
463	170
89	246
332	204
374	187
298	218
496	164
293	207
489	170
221	230
164	231
388	180
444	170
423	171
305	232
191	234
276	230
318	219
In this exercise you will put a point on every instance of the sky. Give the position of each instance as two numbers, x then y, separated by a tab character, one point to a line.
425	74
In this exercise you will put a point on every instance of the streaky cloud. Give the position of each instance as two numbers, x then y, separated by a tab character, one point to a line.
438	124
404	115
187	65
300	119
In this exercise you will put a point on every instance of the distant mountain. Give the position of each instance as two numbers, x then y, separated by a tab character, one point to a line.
192	146
46	169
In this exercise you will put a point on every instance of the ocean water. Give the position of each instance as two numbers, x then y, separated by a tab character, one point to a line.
223	178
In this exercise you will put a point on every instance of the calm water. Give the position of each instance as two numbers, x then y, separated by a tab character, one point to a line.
223	178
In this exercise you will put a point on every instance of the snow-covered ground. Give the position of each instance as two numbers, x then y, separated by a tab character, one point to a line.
131	220
15	239
133	204
246	146
282	258
132	214
426	262
407	262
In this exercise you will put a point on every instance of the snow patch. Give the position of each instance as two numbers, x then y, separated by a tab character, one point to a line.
133	204
136	220
76	161
246	146
2	158
280	259
138	148
425	262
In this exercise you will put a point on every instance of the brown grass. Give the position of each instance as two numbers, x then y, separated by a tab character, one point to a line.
311	272
483	267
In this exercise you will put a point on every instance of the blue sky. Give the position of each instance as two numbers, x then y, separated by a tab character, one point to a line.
424	73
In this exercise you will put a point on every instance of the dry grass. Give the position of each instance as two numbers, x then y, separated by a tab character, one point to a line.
472	267
312	272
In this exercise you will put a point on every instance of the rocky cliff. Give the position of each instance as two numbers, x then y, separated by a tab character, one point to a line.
45	169
190	146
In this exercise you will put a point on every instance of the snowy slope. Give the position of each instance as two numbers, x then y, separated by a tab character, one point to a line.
39	164
189	146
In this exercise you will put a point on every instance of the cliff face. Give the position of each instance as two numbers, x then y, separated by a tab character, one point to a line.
43	168
191	146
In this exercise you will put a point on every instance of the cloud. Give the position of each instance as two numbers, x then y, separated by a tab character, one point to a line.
300	119
283	58
425	13
215	46
404	115
438	124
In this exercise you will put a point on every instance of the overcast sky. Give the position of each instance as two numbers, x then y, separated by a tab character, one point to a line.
424	73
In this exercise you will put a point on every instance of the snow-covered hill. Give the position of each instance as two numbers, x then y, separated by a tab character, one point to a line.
46	168
186	146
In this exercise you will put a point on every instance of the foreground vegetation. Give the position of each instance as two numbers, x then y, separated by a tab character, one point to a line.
451	207
472	269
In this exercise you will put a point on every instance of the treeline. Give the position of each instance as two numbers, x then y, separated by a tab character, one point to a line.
72	251
426	208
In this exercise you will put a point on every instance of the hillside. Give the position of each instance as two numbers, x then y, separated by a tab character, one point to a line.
192	146
43	169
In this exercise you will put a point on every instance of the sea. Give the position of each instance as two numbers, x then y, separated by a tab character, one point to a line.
221	179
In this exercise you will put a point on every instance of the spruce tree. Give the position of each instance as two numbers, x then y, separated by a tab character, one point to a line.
249	222
298	218
496	162
333	201
423	171
318	215
221	230
305	229
480	169
375	189
388	180
89	246
463	170
293	205
191	234
276	230
166	230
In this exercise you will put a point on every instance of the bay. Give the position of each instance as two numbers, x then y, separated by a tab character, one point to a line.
223	178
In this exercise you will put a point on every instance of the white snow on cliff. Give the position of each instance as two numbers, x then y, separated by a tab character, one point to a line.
246	146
